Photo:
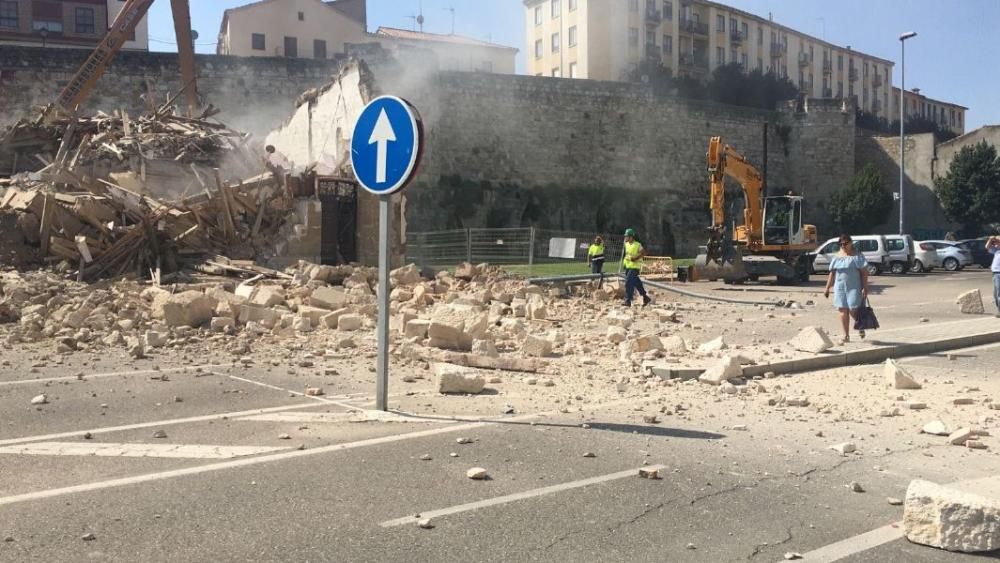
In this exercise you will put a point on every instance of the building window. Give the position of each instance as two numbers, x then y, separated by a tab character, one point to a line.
720	56
633	5
760	64
573	71
572	36
538	49
760	35
744	62
572	5
302	16
633	36
720	23
257	42
291	47
668	44
668	10
556	73
555	42
745	29
538	15
733	57
840	62
8	14
850	90
319	49
556	8
651	38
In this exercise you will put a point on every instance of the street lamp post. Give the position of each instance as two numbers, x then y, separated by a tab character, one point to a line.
902	120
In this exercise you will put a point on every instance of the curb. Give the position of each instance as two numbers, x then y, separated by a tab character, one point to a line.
873	355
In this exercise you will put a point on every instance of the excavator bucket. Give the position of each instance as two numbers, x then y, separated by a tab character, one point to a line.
720	259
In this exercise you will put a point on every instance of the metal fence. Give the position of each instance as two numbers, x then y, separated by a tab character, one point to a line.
530	249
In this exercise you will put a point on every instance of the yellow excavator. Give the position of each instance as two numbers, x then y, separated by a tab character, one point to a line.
772	241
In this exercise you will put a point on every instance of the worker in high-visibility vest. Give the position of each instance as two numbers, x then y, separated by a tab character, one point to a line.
632	263
595	255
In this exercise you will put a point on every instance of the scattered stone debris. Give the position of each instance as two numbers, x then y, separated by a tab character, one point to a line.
844	448
159	434
791	556
936	428
425	524
649	473
893	501
89	536
855	487
589	454
459	379
951	519
40	399
812	339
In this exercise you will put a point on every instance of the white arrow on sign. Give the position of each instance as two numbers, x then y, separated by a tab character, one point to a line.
382	134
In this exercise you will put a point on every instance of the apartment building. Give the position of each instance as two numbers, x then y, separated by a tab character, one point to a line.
309	29
454	52
607	39
64	23
948	116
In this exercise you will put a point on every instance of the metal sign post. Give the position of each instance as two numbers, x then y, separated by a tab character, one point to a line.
385	151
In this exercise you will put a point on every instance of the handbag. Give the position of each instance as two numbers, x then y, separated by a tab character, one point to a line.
866	317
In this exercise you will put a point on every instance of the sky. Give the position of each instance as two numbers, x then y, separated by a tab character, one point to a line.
952	58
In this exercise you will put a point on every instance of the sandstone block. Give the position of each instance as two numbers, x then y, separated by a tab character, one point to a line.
936	428
898	377
951	519
188	308
725	369
485	348
155	339
222	324
715	345
416	328
350	322
675	346
537	347
971	302
616	334
647	343
407	275
812	339
268	296
458	379
329	298
330	320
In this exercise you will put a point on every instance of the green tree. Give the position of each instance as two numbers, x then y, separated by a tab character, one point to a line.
863	205
970	191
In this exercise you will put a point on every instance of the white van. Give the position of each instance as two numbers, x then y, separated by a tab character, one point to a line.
874	248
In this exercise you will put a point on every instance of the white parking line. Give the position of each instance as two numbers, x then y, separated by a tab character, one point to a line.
106	449
233	464
514	497
319	398
154	424
857	544
113	374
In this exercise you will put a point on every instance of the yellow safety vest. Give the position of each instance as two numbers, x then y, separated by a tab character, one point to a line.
596	252
632	260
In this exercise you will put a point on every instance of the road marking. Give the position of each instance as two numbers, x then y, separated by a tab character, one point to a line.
113	374
186	451
514	497
157	423
930	325
856	544
100	485
334	417
319	398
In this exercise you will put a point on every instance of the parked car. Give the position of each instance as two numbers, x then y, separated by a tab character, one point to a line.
977	246
901	254
925	257
872	246
953	257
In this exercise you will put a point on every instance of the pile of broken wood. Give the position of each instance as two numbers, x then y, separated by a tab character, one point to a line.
113	195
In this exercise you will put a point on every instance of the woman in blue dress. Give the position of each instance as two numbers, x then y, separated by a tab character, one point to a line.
849	281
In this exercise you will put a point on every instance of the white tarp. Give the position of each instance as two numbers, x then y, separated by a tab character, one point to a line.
562	248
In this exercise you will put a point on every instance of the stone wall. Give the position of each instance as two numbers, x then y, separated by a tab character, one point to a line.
255	94
924	215
946	151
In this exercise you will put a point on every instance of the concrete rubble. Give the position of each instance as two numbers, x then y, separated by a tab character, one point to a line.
971	302
812	339
898	378
951	519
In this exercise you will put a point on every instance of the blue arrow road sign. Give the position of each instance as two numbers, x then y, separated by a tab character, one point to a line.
385	146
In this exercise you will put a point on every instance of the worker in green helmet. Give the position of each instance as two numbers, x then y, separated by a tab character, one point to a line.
632	263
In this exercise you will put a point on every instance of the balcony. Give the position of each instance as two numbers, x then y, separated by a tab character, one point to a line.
804	59
653	17
877	81
691	61
852	75
828	66
736	36
654	52
693	26
778	50
806	87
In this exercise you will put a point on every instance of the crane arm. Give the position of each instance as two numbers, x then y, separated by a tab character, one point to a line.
724	161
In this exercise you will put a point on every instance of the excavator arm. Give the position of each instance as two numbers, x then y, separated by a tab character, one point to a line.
724	161
82	84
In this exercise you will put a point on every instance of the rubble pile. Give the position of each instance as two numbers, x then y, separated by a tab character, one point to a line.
111	195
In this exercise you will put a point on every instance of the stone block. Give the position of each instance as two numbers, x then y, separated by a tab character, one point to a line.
417	328
458	379
951	519
645	344
675	346
536	347
726	369
350	322
812	339
314	314
222	324
444	335
715	345
485	348
188	308
617	334
897	376
268	296
971	302
330	320
407	275
329	298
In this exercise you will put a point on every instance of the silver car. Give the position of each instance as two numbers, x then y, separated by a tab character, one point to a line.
952	256
925	257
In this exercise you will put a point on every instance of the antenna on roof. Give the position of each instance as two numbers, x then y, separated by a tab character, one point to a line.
420	17
452	10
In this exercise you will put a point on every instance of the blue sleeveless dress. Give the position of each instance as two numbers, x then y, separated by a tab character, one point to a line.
847	283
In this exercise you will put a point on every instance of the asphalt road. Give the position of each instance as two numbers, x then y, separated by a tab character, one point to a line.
248	469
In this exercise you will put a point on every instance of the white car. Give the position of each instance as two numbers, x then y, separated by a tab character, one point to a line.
952	256
873	247
925	257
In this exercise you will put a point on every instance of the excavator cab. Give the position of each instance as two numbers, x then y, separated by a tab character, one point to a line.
783	220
